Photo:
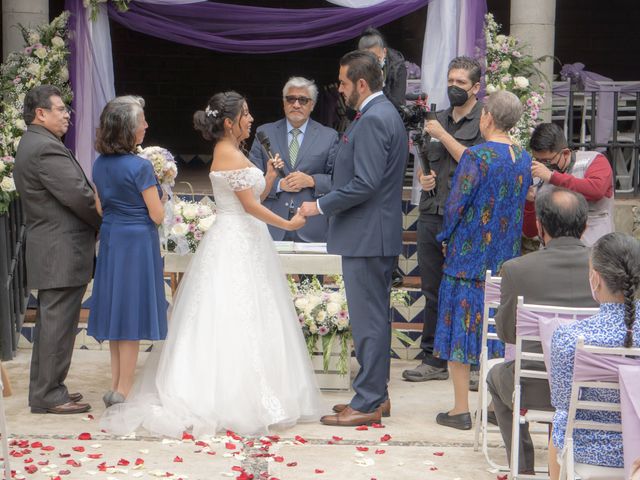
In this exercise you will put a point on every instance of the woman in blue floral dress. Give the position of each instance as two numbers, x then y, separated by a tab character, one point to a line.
615	278
482	227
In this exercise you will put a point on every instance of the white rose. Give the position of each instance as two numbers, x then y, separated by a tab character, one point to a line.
321	316
491	89
33	69
177	209
333	308
314	300
2	165
313	328
57	41
179	229
189	211
342	323
301	303
40	52
205	223
34	37
64	74
20	124
521	82
336	297
506	64
7	184
500	38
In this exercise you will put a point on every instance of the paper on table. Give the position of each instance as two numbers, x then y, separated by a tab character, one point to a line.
295	247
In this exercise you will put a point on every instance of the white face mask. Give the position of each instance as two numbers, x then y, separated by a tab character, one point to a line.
593	288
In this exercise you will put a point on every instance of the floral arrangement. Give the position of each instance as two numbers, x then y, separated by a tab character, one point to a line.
324	318
42	61
508	68
164	165
121	5
189	223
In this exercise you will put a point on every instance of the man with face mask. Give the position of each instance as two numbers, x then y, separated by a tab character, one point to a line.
556	275
394	71
455	129
588	173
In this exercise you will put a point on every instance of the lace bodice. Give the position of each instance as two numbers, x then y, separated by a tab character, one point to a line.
225	182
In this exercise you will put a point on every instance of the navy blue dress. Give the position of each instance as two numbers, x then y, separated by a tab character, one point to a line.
128	301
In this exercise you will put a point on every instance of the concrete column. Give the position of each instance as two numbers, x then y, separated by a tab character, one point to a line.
26	12
533	23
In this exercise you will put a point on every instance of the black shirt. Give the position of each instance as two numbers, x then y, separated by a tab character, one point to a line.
467	132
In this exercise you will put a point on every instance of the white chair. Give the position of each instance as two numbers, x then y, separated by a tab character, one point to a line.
491	300
5	435
594	367
529	319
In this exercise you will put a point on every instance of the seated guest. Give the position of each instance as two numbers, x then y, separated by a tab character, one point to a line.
481	230
307	149
588	173
614	275
394	70
556	275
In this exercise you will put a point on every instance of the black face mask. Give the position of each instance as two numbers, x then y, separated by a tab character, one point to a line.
457	96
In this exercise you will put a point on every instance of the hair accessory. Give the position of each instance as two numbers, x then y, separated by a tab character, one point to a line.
211	113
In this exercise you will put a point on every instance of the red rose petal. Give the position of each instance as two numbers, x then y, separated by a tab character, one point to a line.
274	438
84	436
362	449
78	449
336	438
43	463
211	453
292	464
73	463
317	470
377	425
36	445
385	438
362	428
139	461
177	459
90	417
502	477
237	468
278	459
298	438
123	462
28	460
438	454
230	446
380	451
64	472
31	469
49	448
95	456
187	436
433	469
200	443
64	455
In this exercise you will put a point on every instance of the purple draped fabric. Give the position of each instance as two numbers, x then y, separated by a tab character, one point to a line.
246	29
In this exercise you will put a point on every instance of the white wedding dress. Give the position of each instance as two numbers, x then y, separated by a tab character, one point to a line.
235	356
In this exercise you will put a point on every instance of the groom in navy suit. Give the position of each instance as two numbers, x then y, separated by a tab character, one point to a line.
365	227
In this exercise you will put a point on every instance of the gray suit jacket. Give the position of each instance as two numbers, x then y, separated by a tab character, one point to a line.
60	211
365	204
315	158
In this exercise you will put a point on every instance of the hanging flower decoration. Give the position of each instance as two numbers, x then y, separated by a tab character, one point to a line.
508	68
94	6
42	61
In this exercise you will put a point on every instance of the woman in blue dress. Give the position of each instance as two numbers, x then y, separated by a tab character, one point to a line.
128	301
481	230
614	276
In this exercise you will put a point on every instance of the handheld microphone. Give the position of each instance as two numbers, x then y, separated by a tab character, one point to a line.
424	162
266	144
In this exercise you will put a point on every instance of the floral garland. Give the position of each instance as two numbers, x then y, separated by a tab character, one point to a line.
510	69
121	5
42	61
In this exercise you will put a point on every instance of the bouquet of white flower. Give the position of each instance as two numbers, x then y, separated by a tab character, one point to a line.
189	223
164	165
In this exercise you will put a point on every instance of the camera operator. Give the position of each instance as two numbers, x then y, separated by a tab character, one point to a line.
455	129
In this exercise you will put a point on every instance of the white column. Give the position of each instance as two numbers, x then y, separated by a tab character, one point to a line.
26	12
533	23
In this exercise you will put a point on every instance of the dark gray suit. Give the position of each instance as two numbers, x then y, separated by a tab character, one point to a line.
62	222
365	227
315	158
557	275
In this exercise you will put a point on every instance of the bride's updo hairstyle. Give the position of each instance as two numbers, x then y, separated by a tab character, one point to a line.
210	121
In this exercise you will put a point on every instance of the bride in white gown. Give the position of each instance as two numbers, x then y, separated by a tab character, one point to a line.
234	357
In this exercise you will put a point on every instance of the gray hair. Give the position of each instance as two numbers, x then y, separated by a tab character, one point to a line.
562	212
505	108
301	82
118	125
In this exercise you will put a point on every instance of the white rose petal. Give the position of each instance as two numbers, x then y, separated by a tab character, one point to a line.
333	308
64	74
521	82
491	89
205	223
179	229
57	41
7	184
190	211
505	64
40	52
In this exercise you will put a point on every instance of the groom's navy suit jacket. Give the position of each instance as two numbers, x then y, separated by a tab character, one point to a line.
315	158
365	204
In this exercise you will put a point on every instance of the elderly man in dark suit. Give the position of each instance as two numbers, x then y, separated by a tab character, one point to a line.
307	149
62	222
556	275
365	228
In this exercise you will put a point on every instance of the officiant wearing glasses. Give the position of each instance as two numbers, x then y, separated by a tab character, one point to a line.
307	149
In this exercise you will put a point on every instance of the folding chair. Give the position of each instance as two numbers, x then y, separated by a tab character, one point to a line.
5	435
491	300
528	324
630	406
594	367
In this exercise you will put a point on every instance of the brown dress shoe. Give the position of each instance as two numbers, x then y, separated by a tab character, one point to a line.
386	407
352	418
75	397
64	409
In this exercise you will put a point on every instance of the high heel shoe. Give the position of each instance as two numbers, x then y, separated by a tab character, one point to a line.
117	397
106	398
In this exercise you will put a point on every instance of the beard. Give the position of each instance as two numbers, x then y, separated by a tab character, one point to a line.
353	100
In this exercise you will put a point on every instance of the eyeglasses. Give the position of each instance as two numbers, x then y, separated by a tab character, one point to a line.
292	99
63	110
548	161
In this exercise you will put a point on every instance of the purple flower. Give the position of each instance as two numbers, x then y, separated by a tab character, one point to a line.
192	227
28	50
17	80
198	235
179	219
323	330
